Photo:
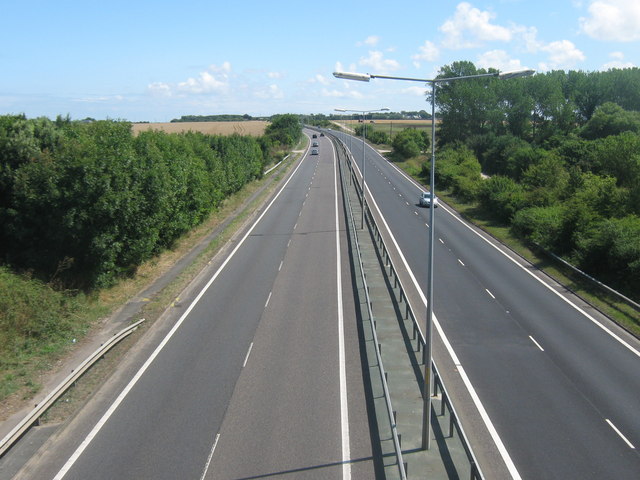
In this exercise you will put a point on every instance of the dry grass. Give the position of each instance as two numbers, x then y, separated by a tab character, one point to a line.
254	128
412	123
399	123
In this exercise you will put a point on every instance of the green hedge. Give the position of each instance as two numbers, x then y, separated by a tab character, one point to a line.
85	203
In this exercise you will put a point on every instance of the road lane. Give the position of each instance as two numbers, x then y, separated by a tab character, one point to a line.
550	408
285	414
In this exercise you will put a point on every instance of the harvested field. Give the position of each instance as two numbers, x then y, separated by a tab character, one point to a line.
254	128
388	126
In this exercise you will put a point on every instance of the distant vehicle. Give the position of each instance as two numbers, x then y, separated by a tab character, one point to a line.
425	200
315	136
322	134
314	151
315	144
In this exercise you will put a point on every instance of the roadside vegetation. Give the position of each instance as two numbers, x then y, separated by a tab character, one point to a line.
551	162
85	205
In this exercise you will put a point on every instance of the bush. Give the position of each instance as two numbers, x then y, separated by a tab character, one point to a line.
374	136
502	196
410	142
612	252
458	168
284	129
541	225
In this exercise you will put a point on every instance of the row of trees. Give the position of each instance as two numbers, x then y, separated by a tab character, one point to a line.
563	154
214	118
85	203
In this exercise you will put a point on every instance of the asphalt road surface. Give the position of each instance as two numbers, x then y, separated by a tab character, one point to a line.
557	383
255	373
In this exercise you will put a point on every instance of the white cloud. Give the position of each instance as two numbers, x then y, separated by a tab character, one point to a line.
371	40
528	37
100	99
204	83
213	80
269	92
613	20
428	52
498	59
617	62
274	75
469	27
378	63
321	79
159	89
563	54
341	94
416	91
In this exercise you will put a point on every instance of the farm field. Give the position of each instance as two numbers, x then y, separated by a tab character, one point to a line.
387	126
254	128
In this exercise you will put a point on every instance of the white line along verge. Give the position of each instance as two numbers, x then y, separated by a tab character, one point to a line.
89	438
344	406
246	358
537	344
620	434
213	449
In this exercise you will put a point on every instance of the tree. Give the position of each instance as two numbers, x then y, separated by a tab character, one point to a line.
458	168
498	155
284	129
541	225
610	119
546	179
502	196
410	142
612	252
466	107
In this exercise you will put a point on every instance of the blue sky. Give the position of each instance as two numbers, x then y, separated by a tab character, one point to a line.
156	60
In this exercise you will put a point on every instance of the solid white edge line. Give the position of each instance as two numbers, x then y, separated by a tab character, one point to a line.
344	406
89	438
268	298
620	434
246	358
213	449
537	344
506	458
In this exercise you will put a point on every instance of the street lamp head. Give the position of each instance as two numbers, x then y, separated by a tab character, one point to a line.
361	77
516	74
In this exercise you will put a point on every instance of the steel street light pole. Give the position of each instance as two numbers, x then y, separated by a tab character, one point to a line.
364	128
427	354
